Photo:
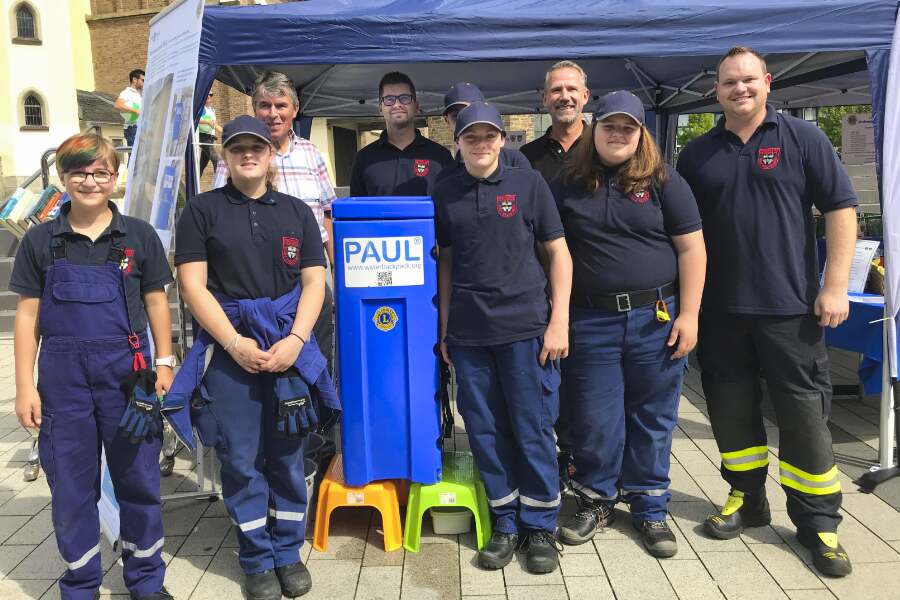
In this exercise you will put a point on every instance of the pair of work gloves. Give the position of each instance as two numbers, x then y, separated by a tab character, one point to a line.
142	419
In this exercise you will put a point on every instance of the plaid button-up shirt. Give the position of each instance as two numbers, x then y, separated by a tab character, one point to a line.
301	174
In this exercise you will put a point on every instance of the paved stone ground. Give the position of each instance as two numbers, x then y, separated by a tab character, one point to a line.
766	563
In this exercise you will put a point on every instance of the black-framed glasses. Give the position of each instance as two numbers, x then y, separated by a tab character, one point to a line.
100	177
392	100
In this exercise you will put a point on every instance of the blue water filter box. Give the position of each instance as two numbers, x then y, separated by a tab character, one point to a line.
385	278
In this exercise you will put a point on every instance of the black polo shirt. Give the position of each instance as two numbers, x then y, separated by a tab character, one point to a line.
253	248
492	226
383	169
756	202
547	155
623	242
145	265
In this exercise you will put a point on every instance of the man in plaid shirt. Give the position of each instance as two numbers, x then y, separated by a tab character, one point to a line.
300	172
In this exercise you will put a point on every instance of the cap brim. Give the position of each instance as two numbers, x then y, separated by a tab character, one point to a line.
618	112
491	123
462	103
227	140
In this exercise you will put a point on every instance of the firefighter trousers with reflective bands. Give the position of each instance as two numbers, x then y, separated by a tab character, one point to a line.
735	352
509	404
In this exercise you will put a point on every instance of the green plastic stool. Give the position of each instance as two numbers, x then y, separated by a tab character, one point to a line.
460	486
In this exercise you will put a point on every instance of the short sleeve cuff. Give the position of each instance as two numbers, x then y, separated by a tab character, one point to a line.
156	285
25	291
181	259
553	235
851	202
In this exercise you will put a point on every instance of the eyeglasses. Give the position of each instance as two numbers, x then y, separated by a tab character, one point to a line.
100	177
392	100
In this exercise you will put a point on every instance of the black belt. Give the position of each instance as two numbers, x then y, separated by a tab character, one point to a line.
625	301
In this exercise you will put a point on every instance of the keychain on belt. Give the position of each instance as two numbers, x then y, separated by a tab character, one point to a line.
662	313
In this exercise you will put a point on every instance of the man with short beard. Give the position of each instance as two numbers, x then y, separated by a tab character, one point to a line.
565	94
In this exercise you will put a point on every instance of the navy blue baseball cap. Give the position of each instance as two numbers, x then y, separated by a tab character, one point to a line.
245	125
478	112
462	93
620	103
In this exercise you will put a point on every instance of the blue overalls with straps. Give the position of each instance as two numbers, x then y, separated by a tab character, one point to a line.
236	412
87	349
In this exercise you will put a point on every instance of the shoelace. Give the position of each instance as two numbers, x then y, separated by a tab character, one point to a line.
660	525
542	536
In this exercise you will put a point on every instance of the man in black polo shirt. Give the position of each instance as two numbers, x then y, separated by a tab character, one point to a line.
402	162
565	94
756	176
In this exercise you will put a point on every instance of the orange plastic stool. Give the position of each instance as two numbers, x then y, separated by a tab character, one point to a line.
334	493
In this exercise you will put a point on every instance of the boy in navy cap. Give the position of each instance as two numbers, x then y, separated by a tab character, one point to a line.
500	331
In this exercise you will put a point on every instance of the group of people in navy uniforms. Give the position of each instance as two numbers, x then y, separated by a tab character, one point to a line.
574	279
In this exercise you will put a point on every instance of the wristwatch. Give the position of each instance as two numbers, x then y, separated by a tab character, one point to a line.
168	361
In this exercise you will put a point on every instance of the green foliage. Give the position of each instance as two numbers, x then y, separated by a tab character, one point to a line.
698	124
829	120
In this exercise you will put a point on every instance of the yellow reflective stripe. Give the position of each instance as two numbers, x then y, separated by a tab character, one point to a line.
746	459
810	483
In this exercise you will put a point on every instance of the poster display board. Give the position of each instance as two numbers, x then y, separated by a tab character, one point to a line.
857	139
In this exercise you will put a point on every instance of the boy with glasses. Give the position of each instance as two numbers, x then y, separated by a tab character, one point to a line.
402	162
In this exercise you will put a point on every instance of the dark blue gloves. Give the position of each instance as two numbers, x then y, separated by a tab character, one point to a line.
141	419
296	413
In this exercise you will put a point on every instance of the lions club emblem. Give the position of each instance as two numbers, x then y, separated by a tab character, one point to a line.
767	158
640	197
290	250
420	167
385	318
127	262
506	205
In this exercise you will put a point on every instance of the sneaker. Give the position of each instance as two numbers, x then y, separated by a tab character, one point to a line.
262	586
740	511
590	518
829	557
295	579
162	594
541	552
499	551
658	538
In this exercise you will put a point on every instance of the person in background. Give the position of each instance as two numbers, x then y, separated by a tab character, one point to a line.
207	132
129	104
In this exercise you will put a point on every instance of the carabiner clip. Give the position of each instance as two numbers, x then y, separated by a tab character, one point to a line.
134	341
662	313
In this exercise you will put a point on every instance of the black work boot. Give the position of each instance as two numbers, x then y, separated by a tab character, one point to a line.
262	586
162	594
829	557
295	579
740	511
541	552
590	518
657	537
499	551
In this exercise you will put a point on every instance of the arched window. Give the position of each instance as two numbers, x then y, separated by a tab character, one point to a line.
25	23
34	111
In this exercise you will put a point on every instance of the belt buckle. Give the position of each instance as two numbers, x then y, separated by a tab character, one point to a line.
619	302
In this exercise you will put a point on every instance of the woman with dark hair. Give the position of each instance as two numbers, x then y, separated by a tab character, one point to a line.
634	232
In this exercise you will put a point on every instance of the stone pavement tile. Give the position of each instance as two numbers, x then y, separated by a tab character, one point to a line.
206	536
786	567
875	514
696	426
216	509
379	583
168	485
741	576
35	531
685	551
681	443
29	501
375	556
347	535
538	592
761	535
581	565
691	580
184	573
432	573
43	563
230	540
633	573
868	581
589	588
861	544
715	488
10	525
491	597
683	487
515	574
696	462
810	595
474	580
24	590
689	516
775	493
621	528
710	449
171	547
11	556
179	518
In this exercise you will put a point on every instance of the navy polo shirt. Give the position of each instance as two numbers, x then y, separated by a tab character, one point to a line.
756	202
145	266
623	242
383	169
547	155
253	248
499	287
509	157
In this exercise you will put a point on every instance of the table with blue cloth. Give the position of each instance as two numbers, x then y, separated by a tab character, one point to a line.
860	334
